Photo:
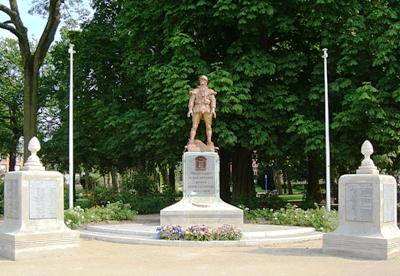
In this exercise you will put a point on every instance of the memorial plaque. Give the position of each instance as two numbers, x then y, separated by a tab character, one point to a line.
389	203
11	205
359	202
200	176
43	197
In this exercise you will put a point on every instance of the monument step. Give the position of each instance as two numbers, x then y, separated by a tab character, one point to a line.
143	230
253	235
276	233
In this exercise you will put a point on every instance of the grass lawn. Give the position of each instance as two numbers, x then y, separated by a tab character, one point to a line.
294	197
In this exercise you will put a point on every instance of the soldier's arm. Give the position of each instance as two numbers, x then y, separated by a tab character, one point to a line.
191	103
213	104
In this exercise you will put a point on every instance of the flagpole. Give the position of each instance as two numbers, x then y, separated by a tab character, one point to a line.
71	129
327	148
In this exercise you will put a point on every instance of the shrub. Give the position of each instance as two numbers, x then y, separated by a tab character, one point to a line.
148	204
269	201
318	218
112	211
139	184
74	218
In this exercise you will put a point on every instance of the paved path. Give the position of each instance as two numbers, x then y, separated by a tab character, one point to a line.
99	258
103	258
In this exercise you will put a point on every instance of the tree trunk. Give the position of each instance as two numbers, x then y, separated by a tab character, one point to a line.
225	176
290	188
114	179
12	161
242	175
31	75
164	176
313	187
171	177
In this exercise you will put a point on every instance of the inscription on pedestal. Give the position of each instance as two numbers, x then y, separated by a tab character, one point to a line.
11	206
199	176
359	202
389	203
43	199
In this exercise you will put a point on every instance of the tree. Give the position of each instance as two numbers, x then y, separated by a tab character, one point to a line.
31	60
11	95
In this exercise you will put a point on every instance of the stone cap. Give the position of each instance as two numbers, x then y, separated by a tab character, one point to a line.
367	165
33	163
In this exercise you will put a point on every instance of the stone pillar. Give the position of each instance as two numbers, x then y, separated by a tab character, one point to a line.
367	214
201	202
34	211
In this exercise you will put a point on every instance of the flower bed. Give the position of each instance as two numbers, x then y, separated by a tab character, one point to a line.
201	232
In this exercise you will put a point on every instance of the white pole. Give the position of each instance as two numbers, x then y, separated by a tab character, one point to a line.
327	149
71	129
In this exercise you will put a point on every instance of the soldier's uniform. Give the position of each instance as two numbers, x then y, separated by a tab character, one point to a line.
202	102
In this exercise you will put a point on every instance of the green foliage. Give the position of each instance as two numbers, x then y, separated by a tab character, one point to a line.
263	201
139	184
318	218
264	61
141	192
148	204
74	218
99	196
11	96
112	211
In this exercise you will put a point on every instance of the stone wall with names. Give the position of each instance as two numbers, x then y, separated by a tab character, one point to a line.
199	176
389	202
11	204
359	202
43	199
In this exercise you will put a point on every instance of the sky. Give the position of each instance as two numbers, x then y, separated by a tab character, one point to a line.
34	23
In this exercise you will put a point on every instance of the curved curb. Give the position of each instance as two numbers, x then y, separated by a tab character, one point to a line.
253	235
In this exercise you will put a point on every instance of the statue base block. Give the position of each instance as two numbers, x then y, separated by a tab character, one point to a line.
185	213
367	247
17	246
201	203
367	218
34	215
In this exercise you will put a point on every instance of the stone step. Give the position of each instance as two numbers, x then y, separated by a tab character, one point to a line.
142	230
130	239
253	235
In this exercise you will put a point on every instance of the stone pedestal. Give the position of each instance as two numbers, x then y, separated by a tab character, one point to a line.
201	202
34	214
367	216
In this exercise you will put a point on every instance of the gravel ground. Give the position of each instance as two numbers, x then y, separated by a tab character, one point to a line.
102	258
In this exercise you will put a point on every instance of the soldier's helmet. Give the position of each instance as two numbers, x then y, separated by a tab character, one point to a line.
204	78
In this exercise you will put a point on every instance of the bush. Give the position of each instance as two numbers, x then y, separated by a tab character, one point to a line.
112	211
74	218
139	184
199	233
148	204
318	218
264	201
